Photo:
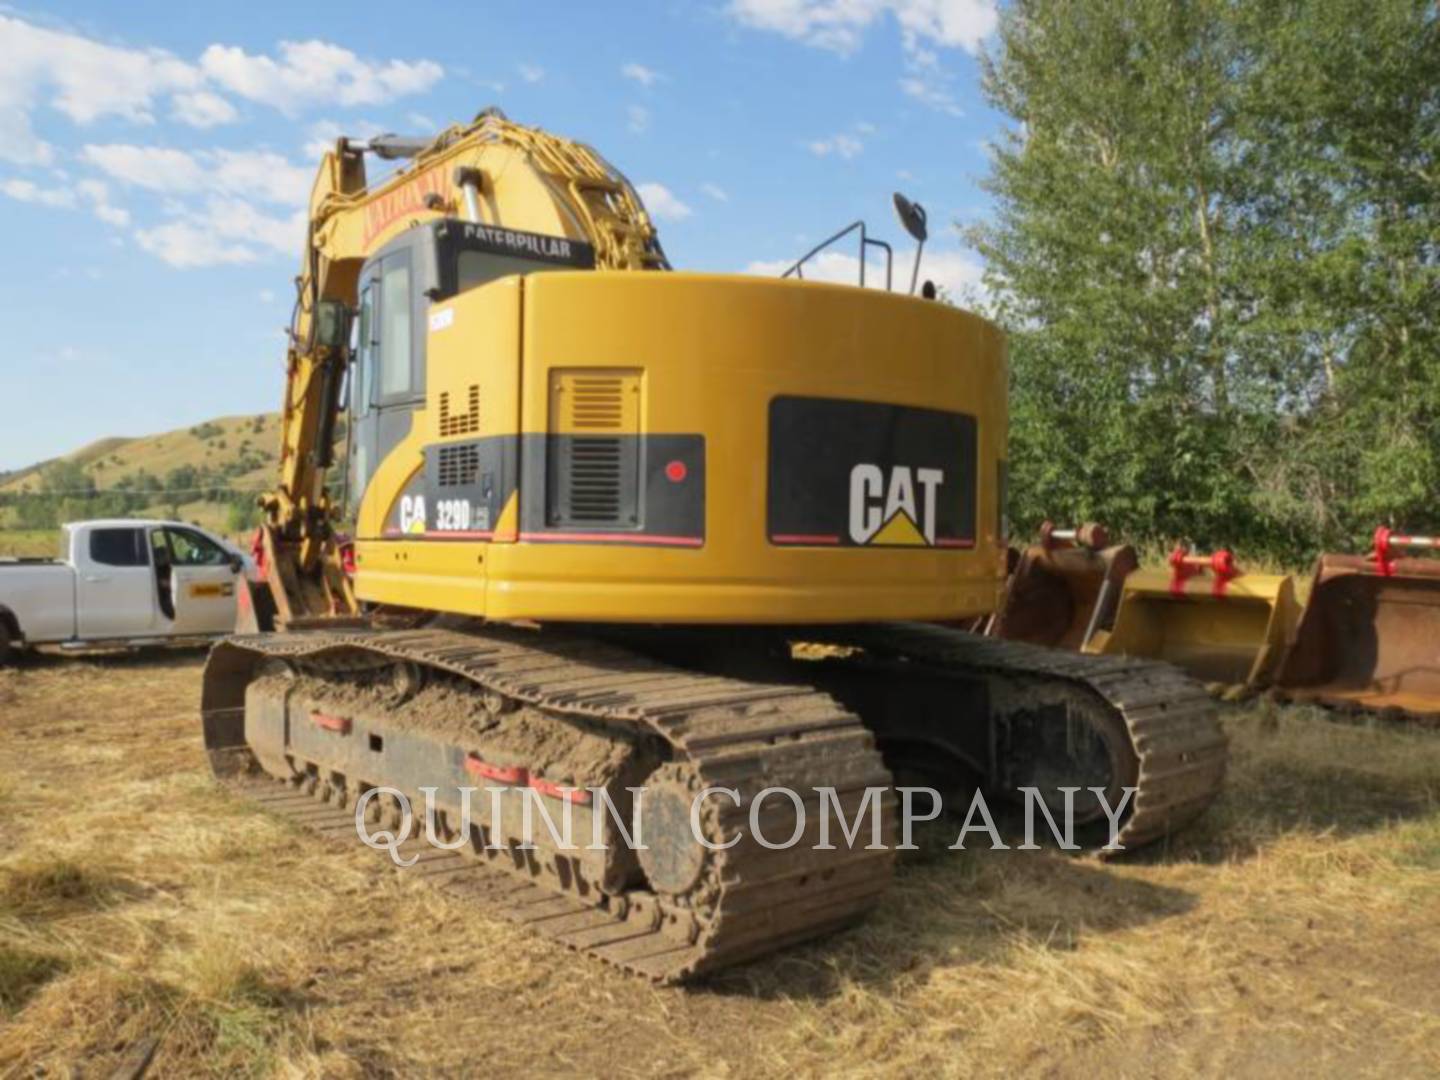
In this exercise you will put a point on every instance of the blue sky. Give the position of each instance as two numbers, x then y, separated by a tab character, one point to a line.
154	157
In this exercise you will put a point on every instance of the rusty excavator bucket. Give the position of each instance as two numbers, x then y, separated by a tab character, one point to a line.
1370	636
285	598
1207	618
1064	589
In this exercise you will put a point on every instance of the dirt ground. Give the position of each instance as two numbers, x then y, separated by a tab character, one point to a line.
1297	928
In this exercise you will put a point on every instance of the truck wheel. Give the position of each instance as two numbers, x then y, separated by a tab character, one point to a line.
7	643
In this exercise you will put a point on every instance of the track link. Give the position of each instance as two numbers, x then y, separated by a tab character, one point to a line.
721	732
1171	720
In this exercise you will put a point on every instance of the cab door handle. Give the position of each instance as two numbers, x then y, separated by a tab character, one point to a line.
96	579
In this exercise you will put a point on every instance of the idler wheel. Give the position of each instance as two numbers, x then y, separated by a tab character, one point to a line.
672	858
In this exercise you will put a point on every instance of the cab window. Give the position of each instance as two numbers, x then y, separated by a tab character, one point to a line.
118	547
396	332
189	548
364	353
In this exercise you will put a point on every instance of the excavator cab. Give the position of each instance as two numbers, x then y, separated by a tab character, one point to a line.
1370	635
1065	588
1206	617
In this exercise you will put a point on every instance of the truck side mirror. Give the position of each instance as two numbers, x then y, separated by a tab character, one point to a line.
235	563
331	324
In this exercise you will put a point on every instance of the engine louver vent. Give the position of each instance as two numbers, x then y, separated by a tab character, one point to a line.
597	403
593	463
593	495
458	466
466	423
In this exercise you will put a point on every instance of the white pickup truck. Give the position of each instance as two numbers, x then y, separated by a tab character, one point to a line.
121	582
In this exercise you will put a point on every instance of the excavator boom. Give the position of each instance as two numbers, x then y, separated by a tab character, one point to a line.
559	187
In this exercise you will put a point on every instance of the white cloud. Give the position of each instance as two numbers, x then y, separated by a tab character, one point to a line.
98	195
315	72
715	191
421	122
267	296
154	168
202	109
637	119
88	80
957	272
925	25
87	192
260	174
186	245
641	74
531	73
661	203
30	192
840	25
930	88
842	146
223	232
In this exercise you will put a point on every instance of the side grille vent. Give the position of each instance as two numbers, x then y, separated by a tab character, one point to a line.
466	423
459	466
593	462
594	493
597	403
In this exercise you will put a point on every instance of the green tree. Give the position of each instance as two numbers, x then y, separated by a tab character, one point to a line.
1214	250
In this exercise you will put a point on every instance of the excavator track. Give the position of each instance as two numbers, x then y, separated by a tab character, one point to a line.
1172	722
716	731
746	901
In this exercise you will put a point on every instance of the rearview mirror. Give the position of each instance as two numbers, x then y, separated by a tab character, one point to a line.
912	216
331	324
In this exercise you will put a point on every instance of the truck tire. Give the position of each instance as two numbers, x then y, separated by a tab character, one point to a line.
8	651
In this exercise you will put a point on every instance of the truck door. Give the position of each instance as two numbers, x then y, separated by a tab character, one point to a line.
202	580
115	590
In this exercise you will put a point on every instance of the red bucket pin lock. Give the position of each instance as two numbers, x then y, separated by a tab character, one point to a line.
1388	544
1184	566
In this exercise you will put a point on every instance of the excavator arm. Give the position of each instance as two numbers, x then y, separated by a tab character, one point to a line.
490	172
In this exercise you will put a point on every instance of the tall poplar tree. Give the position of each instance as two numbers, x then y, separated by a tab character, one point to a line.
1217	250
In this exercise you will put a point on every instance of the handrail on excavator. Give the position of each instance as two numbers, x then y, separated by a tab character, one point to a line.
865	241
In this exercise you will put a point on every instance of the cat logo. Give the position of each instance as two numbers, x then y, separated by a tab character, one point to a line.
412	514
897	510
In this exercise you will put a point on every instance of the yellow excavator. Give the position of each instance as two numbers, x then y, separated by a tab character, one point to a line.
603	527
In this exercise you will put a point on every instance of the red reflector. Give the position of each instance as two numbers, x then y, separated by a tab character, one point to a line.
505	774
676	471
579	796
340	724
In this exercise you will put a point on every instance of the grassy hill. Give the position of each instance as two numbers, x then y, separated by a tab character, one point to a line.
227	441
195	473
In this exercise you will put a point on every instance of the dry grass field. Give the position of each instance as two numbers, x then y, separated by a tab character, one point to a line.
1297	928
